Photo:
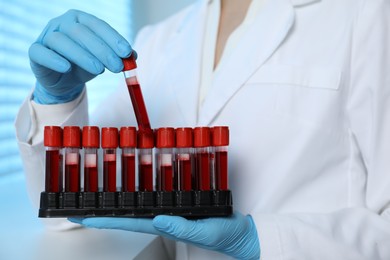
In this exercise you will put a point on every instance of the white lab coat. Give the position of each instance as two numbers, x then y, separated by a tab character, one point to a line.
307	97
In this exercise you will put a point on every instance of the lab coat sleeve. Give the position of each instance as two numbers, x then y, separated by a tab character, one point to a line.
358	231
29	125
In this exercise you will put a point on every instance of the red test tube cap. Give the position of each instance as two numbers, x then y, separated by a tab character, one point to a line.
110	137
72	136
91	137
220	136
52	136
129	63
184	137
202	137
128	137
165	137
145	138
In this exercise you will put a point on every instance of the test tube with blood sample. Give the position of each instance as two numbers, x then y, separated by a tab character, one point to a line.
202	158
109	145
145	144
220	142
184	158
53	161
128	143
91	145
72	145
134	88
165	143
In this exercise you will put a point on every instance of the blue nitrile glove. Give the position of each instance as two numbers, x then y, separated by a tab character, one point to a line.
73	49
235	236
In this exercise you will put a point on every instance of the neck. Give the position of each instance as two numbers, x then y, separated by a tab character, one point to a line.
233	13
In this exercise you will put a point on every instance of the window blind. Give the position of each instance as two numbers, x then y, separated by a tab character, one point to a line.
20	24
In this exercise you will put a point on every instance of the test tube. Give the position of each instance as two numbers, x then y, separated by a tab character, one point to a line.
165	143
72	145
220	142
134	88
145	144
184	158
128	143
91	145
109	145
53	161
202	158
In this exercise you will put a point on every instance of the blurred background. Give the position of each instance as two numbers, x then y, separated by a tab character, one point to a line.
21	21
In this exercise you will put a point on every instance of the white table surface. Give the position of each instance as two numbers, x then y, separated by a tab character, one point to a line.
23	236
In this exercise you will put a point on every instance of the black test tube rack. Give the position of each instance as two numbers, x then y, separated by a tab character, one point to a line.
189	204
146	204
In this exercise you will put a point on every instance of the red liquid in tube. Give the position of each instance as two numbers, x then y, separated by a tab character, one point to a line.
203	169
72	145
184	172
221	171
202	144
138	104
109	169
165	142
145	144
220	144
91	142
53	181
129	70
128	143
128	172
72	177
146	177
166	178
90	179
53	158
109	140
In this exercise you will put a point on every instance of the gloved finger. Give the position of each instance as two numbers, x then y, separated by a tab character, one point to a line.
42	58
102	29
142	225
88	40
73	52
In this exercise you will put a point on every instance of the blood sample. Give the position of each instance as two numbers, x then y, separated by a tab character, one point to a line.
184	158
202	158
91	145
220	142
72	144
129	71
145	144
128	143
53	163
109	145
165	143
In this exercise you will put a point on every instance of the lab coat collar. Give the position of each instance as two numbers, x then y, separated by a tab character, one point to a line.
270	29
185	63
262	40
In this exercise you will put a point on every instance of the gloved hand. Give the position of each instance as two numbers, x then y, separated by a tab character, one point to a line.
73	49
235	236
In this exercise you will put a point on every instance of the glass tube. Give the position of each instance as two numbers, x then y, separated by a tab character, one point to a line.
53	159
91	144
109	144
72	144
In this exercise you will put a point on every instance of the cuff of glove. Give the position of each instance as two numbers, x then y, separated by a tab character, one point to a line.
58	114
255	250
42	96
